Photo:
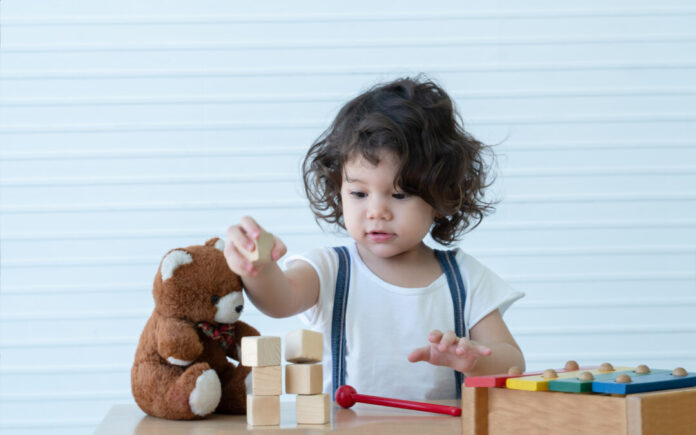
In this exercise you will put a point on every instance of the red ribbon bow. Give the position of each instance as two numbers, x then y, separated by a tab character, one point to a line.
223	332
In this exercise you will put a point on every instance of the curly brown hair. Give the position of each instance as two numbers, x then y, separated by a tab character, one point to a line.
438	160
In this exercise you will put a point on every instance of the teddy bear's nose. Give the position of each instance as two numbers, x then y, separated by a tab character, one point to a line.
239	308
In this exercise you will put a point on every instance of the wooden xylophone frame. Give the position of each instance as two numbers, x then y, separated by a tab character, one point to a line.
500	411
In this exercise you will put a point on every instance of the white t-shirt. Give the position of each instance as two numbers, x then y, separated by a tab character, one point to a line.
384	323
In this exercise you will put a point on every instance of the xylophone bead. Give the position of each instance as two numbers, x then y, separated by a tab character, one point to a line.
586	376
550	374
623	378
642	369
679	371
571	366
606	367
514	371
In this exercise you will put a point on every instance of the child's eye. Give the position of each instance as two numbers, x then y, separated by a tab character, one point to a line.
358	194
400	195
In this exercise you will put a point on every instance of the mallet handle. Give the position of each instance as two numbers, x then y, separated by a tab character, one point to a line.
407	404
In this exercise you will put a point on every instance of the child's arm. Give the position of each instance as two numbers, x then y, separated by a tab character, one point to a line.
274	292
491	349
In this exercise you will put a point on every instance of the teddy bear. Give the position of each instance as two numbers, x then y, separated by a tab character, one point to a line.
181	369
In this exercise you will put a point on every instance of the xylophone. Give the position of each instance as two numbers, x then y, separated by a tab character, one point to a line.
581	400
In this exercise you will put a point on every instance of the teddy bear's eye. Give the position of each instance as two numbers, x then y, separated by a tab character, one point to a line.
214	299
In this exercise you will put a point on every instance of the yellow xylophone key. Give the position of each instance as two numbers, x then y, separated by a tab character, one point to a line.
541	383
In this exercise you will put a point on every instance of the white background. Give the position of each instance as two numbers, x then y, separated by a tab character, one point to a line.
128	128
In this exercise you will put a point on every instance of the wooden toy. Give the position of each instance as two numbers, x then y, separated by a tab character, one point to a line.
260	351
263	247
645	412
639	383
303	378
313	409
263	410
515	372
267	381
347	396
304	346
500	411
541	382
581	383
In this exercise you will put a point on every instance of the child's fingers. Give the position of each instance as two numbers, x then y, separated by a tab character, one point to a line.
240	238
237	262
448	339
435	336
420	354
483	350
467	346
251	227
279	249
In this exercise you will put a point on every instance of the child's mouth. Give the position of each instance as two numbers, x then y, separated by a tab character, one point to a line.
378	236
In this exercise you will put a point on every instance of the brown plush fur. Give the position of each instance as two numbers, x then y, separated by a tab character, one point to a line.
162	389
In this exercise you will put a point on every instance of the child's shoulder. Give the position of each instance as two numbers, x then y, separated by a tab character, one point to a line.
324	260
472	265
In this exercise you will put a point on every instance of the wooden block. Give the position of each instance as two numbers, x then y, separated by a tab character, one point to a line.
263	410
263	246
304	346
260	351
303	378
267	381
653	381
539	383
313	409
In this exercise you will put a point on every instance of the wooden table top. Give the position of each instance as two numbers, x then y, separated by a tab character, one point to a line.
361	418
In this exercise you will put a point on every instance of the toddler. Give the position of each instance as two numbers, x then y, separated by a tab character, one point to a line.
399	318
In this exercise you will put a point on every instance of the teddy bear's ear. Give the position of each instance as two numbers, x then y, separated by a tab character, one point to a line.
173	260
217	243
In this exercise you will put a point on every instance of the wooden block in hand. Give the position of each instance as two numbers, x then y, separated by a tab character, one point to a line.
313	409
304	346
303	378
263	410
260	351
263	247
267	381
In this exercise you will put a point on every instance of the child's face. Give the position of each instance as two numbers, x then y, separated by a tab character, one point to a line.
380	217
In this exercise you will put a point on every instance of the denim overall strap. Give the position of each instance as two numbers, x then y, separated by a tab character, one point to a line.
448	262
338	321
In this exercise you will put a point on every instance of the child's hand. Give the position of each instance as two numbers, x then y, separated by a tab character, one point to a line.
242	236
449	350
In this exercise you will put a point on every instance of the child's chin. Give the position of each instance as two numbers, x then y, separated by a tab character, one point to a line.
383	250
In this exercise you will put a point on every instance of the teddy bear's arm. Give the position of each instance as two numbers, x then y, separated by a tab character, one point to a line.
241	330
178	342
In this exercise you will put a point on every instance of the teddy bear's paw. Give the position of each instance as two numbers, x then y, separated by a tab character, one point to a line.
178	362
205	397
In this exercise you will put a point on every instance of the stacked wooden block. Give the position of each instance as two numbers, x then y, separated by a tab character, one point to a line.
303	376
262	354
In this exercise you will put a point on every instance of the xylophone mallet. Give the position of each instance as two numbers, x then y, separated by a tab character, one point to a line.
347	396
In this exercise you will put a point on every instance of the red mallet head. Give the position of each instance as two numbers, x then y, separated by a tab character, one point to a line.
344	396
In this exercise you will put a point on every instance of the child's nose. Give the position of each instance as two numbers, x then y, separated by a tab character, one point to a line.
379	209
